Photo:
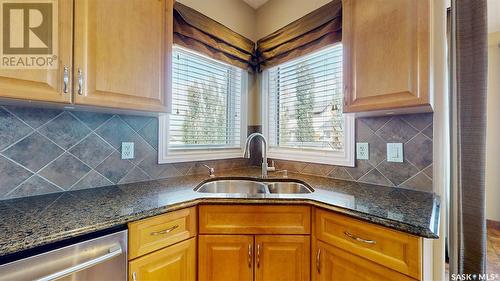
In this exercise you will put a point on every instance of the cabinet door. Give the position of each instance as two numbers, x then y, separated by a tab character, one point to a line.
331	263
386	54
282	257
225	257
45	84
123	53
175	263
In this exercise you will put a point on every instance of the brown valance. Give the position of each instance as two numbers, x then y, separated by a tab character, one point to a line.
315	30
198	32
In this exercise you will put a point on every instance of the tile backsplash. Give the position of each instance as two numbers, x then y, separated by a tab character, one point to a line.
48	150
414	131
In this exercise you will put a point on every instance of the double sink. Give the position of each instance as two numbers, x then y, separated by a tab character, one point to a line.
252	187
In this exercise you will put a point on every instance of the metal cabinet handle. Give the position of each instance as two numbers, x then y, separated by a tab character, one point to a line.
354	237
112	252
80	82
134	276
258	255
65	79
318	261
165	231
250	255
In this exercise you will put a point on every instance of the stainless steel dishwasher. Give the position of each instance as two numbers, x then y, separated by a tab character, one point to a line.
99	259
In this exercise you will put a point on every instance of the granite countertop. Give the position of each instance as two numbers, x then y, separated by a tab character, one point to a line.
36	221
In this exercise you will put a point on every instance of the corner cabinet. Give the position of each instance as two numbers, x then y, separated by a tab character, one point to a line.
386	47
111	53
122	53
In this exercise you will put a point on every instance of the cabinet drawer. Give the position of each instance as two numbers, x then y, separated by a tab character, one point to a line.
154	233
249	219
393	249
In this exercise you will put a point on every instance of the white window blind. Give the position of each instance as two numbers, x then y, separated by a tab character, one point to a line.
206	103
305	102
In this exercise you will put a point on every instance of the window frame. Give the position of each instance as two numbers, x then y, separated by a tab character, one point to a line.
166	155
344	158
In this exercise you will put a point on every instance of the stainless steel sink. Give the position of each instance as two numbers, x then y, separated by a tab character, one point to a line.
253	187
233	186
288	187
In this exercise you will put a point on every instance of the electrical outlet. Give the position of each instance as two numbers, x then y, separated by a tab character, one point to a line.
395	152
362	151
127	150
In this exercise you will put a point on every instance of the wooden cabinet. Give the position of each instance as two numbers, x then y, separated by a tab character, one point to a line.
174	263
332	263
225	257
154	233
386	55
282	257
45	84
122	50
111	53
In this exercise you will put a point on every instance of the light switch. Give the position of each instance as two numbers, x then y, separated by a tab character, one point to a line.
127	150
395	152
362	151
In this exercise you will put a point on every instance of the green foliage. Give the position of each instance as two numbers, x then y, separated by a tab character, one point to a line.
206	121
304	105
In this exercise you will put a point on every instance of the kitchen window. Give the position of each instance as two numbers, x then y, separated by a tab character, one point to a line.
207	119
302	110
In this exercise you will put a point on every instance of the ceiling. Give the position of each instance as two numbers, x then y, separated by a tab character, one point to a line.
493	18
255	3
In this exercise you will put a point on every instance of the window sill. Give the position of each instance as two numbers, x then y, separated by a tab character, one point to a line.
177	156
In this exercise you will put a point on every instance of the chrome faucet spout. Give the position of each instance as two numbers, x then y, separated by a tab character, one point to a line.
246	154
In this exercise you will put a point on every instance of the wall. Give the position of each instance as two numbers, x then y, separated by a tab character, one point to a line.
493	129
235	14
414	130
46	150
277	13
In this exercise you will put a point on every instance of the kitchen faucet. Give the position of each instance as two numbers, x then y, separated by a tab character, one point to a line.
246	154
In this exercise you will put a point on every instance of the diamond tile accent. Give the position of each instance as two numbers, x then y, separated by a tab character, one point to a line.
34	186
65	130
340	173
375	123
92	119
11	129
65	171
91	180
396	130
114	168
33	152
419	182
92	150
136	122
12	175
429	171
418	151
115	132
362	167
378	149
418	121
151	167
375	177
150	133
141	149
429	131
135	175
363	131
397	173
35	117
317	169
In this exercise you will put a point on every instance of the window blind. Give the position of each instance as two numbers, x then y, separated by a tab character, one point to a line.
206	103
305	102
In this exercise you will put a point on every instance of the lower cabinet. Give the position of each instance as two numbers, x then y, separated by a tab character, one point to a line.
173	263
254	257
332	263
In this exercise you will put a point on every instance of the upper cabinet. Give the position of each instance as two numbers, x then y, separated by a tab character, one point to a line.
110	53
49	78
386	55
122	50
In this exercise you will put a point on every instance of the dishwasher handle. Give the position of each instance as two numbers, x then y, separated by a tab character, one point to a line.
112	252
